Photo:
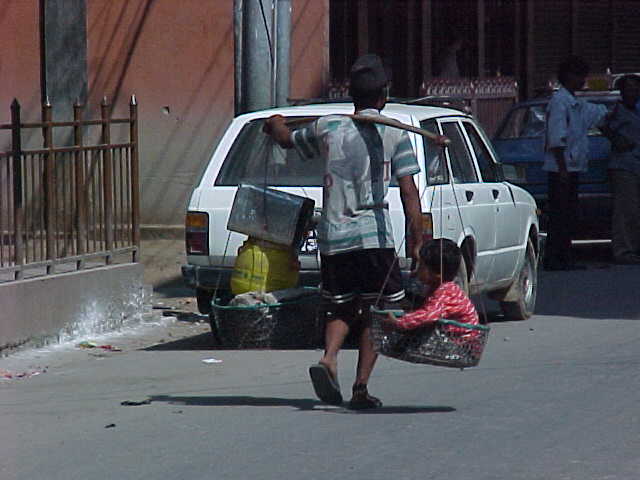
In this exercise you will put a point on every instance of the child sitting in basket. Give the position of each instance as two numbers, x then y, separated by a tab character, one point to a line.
437	268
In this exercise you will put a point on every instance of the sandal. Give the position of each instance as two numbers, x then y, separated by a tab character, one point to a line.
326	387
361	400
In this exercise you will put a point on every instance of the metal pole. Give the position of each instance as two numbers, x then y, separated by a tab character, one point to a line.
107	179
135	176
283	51
18	207
237	55
257	56
80	190
49	186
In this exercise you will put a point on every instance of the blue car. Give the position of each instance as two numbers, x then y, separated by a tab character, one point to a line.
519	142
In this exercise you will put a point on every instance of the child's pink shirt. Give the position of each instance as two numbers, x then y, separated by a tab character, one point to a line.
447	301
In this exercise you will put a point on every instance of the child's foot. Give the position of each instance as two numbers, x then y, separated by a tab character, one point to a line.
361	400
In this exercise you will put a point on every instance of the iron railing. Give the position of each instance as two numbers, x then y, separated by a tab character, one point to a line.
74	203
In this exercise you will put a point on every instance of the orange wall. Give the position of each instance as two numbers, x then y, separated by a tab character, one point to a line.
310	48
177	58
19	61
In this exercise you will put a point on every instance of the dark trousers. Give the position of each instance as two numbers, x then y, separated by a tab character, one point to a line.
625	228
563	212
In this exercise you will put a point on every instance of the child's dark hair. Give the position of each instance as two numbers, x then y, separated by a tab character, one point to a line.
442	252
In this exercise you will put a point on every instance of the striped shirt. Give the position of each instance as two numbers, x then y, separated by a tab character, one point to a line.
360	162
447	301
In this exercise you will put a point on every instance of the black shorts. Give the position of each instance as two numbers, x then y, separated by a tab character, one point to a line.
371	275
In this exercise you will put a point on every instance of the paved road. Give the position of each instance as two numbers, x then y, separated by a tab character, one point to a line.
554	397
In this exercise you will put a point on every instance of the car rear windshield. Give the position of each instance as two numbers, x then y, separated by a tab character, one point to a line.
255	158
528	121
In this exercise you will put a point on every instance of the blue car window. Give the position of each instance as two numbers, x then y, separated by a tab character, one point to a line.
534	121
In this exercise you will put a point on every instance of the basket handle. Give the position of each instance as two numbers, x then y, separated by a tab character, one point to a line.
396	313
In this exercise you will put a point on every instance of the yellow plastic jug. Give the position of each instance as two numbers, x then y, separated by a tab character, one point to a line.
263	266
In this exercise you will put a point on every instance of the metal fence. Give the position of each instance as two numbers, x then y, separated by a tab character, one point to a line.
74	202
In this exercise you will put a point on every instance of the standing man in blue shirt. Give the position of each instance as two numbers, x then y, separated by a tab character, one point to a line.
623	130
566	155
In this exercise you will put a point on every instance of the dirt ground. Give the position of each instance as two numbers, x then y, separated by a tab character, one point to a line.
162	260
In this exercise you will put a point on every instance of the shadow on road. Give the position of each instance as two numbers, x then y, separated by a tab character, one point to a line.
238	401
596	293
204	341
299	403
401	409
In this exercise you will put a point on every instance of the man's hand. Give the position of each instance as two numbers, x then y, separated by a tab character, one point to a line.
389	322
274	121
441	140
276	127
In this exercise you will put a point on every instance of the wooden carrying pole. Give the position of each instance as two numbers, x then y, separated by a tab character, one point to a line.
390	122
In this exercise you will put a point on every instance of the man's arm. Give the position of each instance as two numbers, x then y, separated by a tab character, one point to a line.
276	127
412	213
558	153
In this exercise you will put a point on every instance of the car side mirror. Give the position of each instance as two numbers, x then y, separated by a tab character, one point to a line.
514	173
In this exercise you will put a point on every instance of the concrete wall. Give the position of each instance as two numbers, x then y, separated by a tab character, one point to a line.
63	307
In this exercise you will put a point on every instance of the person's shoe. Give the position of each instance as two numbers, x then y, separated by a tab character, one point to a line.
361	400
630	259
325	385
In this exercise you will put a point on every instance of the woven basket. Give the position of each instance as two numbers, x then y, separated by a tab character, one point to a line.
291	324
446	343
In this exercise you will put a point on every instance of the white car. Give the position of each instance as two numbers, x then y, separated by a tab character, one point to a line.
464	197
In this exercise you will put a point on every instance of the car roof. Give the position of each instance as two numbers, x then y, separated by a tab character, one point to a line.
395	110
587	95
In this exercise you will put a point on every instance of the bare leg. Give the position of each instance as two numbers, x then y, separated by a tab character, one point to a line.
367	357
335	333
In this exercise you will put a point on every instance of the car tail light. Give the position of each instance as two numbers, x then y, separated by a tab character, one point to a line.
197	233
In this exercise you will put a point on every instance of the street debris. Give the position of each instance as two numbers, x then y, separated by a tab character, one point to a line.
211	360
87	344
132	403
7	375
111	425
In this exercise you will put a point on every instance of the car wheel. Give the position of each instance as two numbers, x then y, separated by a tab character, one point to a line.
462	279
527	286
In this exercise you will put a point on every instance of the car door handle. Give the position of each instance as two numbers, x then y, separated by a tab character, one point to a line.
496	193
469	195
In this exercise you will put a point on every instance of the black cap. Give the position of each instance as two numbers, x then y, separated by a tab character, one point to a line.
367	75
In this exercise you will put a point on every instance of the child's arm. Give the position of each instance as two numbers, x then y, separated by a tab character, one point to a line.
429	313
390	319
